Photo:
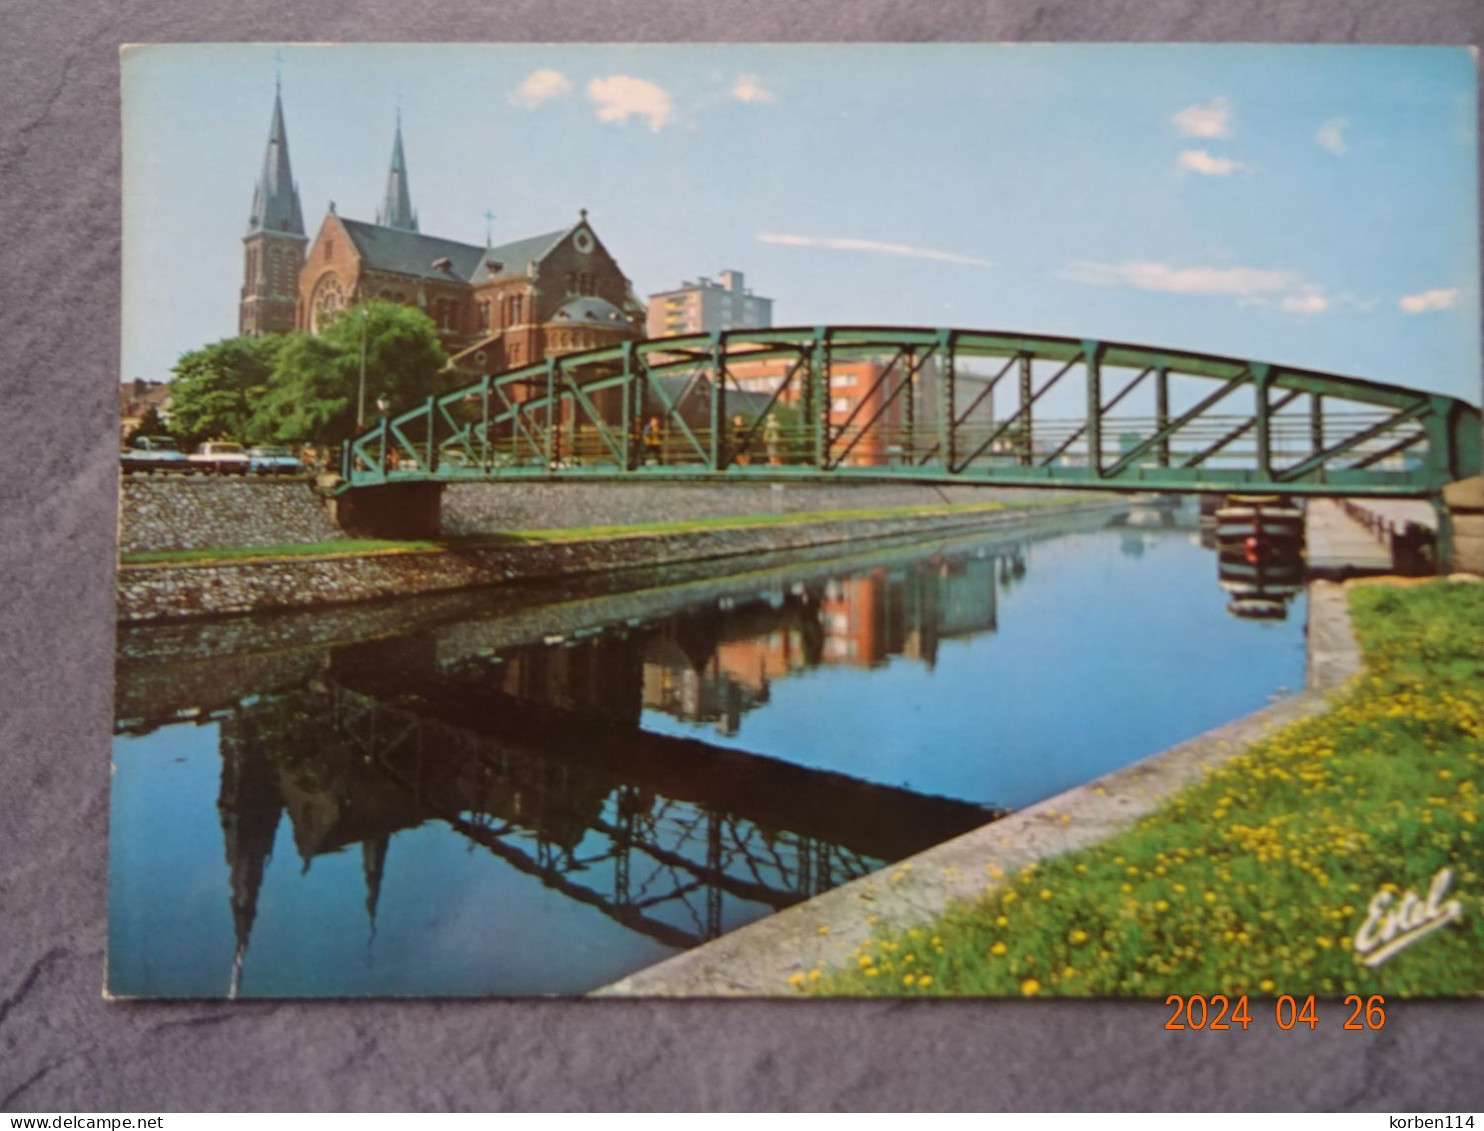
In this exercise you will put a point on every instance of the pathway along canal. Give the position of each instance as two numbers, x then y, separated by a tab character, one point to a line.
538	793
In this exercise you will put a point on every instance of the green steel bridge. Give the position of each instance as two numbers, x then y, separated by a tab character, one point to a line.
936	406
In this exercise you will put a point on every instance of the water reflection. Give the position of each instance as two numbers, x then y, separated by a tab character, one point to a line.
486	797
657	834
534	754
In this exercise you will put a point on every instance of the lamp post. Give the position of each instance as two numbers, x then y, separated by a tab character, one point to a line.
361	398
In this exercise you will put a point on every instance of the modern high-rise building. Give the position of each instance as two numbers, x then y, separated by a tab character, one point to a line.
706	305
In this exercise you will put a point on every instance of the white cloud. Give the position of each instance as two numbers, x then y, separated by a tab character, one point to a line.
1199	161
1305	302
1211	120
1249	286
621	97
1331	135
873	246
1242	282
1424	301
540	86
749	89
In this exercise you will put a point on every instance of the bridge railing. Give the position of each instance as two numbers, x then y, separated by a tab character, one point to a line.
932	405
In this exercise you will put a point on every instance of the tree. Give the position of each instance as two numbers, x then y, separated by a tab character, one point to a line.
151	423
217	387
314	390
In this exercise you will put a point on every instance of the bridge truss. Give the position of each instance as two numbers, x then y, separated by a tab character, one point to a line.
928	405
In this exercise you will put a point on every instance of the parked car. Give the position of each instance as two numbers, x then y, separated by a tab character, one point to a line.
220	455
269	459
153	453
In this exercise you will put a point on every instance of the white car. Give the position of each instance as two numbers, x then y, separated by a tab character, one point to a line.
221	455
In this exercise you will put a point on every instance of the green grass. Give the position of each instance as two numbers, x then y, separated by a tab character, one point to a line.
352	547
1256	879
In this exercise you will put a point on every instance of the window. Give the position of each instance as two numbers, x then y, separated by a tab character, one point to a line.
843	380
841	404
517	309
329	298
329	248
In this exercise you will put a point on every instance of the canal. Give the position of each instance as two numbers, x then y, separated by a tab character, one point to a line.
538	791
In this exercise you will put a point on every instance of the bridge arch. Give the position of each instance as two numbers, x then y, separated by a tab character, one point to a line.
932	405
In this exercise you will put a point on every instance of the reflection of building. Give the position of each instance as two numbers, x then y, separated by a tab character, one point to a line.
496	307
703	306
857	621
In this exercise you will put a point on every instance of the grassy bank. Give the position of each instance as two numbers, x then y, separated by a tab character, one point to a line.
1257	879
356	547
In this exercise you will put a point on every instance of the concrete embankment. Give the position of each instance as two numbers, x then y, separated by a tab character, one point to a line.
215	586
759	959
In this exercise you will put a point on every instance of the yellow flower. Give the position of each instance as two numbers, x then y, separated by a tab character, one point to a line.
824	930
1030	987
925	980
1045	893
909	979
1077	937
998	949
1002	920
796	980
1267	985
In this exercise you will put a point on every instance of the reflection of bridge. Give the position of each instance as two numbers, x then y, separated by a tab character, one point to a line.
534	752
664	836
763	405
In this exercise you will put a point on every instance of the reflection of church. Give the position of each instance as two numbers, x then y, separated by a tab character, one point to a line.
496	307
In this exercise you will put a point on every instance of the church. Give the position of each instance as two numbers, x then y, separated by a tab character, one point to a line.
496	307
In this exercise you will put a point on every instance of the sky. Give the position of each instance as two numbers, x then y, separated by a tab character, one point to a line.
1310	206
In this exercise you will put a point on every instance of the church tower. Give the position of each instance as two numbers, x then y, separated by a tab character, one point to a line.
396	210
274	244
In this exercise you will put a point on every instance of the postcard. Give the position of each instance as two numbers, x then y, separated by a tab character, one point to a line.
801	521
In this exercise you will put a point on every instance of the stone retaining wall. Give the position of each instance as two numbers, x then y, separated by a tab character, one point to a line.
482	508
203	512
200	512
160	591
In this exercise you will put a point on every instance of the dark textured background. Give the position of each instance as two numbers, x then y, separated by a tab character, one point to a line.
63	1048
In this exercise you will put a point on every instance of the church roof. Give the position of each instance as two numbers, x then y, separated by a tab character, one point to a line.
590	308
412	253
275	199
513	257
396	208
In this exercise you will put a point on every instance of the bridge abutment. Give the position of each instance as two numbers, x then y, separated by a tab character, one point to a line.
1461	526
391	510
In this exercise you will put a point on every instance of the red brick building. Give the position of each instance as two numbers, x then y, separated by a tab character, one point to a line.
496	307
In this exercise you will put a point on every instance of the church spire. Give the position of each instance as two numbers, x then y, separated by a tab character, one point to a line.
396	210
275	200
